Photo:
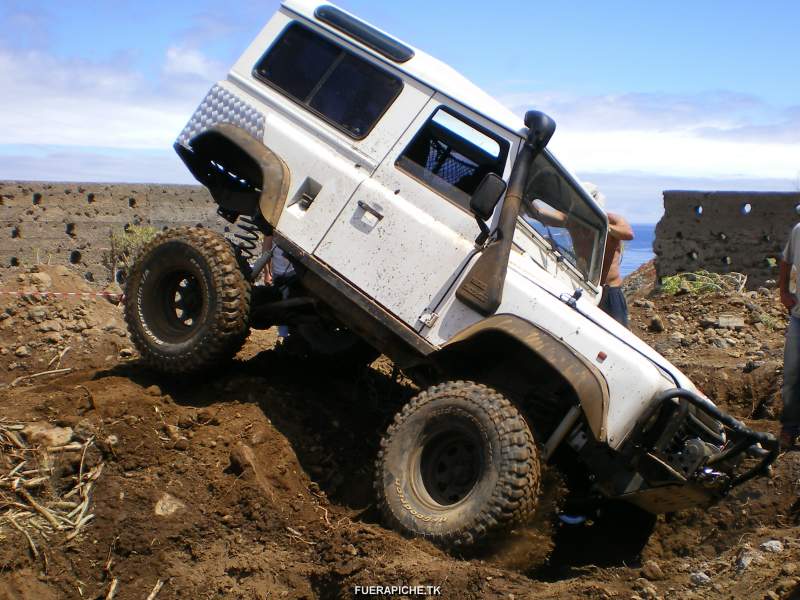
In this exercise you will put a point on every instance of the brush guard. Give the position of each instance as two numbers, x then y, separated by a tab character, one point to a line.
741	441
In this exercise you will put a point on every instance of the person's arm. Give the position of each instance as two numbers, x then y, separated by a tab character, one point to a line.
546	215
619	228
788	299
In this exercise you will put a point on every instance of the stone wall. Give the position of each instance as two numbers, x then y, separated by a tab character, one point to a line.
71	223
722	232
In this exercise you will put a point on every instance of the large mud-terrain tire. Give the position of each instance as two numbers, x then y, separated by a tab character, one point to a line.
187	302
457	463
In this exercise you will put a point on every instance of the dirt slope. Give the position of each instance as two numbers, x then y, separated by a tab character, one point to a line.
256	483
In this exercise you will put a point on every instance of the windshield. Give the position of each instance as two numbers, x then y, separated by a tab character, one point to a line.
562	212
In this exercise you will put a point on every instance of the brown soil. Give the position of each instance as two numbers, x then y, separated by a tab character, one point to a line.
270	462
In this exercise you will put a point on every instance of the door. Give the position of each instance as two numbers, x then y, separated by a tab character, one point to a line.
407	232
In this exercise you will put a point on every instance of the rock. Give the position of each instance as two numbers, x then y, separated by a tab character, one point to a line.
114	292
764	291
126	352
787	584
656	324
708	322
206	416
53	338
79	325
50	325
730	322
677	337
22	352
699	578
168	505
643	303
719	342
770	595
37	314
260	434
111	325
111	440
84	429
44	434
789	569
651	571
752	365
153	390
748	557
775	546
684	288
41	279
61	271
186	421
181	444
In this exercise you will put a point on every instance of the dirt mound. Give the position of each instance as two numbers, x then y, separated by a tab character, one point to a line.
256	483
51	318
730	344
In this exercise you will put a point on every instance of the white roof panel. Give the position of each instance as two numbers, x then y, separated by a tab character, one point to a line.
428	70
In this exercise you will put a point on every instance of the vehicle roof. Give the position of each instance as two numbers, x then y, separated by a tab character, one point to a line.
428	70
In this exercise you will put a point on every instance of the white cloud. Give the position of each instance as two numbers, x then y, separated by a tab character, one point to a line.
674	153
182	61
83	103
712	134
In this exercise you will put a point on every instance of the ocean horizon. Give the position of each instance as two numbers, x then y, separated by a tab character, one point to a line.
640	249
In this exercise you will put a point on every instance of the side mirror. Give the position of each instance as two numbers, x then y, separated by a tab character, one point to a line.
540	128
486	196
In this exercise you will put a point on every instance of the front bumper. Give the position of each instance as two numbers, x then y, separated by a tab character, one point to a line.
691	453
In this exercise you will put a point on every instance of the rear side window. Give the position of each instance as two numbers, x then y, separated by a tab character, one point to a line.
344	89
452	155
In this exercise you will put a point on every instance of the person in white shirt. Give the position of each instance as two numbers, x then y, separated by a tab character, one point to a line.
790	393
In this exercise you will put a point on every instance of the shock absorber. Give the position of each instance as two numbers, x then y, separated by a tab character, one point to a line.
247	236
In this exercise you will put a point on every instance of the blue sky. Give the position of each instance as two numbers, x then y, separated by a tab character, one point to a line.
647	96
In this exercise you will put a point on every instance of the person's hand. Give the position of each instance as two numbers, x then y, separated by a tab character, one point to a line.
788	300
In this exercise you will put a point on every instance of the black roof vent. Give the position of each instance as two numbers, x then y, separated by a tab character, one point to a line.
366	34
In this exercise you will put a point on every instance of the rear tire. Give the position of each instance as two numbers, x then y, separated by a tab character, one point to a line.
187	302
457	463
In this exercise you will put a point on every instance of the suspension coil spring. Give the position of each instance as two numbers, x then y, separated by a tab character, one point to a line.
248	236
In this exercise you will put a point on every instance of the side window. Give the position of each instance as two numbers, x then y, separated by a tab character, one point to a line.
452	155
342	88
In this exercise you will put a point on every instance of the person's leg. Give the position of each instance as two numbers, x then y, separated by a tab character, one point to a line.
614	304
790	393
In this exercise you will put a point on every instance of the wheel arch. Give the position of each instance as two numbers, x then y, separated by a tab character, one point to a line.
511	341
238	156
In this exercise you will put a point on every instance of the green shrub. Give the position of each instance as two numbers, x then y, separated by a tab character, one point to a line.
703	282
125	246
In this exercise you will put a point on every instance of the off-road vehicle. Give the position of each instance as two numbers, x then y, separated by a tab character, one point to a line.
407	201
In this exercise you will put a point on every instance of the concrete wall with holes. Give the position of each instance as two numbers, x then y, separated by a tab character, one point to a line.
71	223
723	232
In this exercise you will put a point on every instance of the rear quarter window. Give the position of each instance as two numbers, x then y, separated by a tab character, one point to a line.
345	90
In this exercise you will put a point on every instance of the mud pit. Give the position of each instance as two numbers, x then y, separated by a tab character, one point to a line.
256	483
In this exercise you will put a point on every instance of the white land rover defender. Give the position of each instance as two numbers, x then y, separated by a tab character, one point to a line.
406	200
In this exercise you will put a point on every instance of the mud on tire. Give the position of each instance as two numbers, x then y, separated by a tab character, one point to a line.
187	302
458	462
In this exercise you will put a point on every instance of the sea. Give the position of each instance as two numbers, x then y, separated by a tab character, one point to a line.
640	249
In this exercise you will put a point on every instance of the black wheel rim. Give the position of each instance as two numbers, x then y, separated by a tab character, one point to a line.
183	300
175	306
450	466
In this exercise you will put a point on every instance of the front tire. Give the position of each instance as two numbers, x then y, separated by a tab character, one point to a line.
187	302
458	462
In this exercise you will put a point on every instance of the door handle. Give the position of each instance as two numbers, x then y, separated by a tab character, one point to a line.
367	208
